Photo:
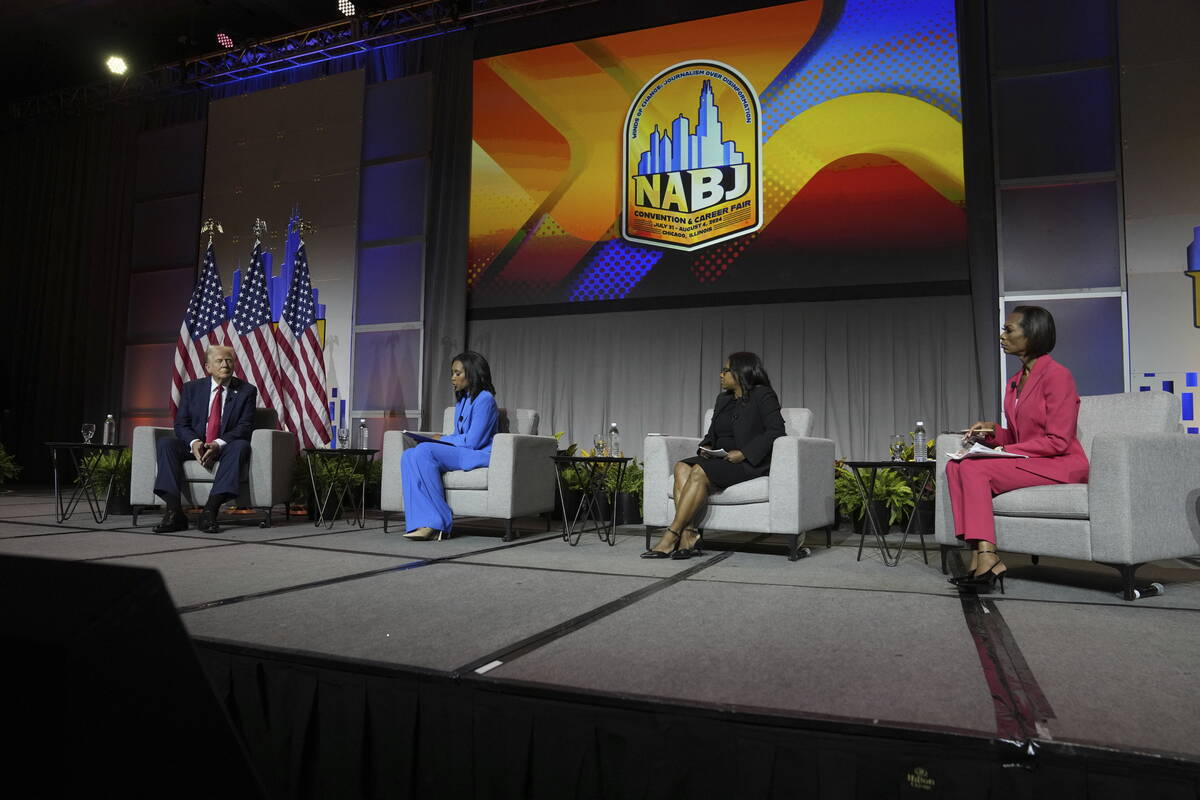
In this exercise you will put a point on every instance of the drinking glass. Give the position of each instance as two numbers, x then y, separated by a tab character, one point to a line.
600	443
88	430
897	445
343	437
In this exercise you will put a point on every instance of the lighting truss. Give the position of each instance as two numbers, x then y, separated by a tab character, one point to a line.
345	37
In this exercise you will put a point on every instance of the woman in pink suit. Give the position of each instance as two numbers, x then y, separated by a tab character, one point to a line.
1041	406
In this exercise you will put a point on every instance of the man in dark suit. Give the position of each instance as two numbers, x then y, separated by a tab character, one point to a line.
213	426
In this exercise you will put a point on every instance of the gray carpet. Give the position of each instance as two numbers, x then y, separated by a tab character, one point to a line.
878	657
590	555
95	544
218	573
440	616
1127	674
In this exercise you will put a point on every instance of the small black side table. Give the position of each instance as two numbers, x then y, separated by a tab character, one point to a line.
341	466
84	457
867	491
594	470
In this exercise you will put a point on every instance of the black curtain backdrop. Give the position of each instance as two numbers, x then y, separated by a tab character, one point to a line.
66	226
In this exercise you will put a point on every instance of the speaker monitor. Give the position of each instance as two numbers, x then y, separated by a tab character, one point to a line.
105	693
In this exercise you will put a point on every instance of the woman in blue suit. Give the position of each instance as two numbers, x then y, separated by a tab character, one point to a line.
469	447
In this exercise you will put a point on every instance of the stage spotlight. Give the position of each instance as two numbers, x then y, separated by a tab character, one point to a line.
224	39
116	65
347	8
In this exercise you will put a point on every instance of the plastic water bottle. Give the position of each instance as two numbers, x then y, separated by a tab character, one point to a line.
920	451
614	440
362	434
110	430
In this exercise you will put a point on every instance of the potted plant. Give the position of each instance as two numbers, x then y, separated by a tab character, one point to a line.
571	483
9	468
111	467
325	471
627	498
891	499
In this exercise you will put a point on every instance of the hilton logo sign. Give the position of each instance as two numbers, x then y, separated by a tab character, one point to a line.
689	187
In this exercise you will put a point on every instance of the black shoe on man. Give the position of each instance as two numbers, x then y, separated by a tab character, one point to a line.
173	520
208	517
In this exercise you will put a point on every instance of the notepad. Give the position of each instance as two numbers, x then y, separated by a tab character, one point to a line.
718	453
980	451
420	437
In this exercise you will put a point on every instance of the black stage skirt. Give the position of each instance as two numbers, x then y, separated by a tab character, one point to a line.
723	474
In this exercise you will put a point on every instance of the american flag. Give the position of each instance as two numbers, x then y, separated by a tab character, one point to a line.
204	323
301	361
252	337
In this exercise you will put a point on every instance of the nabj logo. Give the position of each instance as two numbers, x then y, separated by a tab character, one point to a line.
690	185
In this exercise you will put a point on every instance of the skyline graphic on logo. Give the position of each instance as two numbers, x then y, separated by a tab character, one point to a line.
687	150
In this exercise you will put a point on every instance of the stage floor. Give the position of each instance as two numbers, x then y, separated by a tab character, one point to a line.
1059	658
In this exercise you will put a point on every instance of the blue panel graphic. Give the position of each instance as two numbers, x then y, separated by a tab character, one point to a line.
1191	378
1169	386
1143	388
1193	430
1187	405
907	48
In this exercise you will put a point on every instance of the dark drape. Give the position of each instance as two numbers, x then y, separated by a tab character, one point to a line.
319	728
981	199
449	59
66	224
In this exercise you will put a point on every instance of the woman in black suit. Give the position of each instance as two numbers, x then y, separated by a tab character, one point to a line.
745	423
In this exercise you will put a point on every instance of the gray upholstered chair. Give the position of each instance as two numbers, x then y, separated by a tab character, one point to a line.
518	481
796	497
266	484
1139	505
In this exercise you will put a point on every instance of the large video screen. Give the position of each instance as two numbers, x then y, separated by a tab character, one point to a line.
761	155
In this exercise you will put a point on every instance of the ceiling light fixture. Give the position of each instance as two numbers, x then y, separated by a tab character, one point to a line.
116	65
224	39
347	8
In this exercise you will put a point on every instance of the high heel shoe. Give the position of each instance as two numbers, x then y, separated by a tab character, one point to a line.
682	553
664	553
984	582
422	534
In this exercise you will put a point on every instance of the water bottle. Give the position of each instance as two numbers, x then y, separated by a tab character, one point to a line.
362	434
614	440
920	450
110	430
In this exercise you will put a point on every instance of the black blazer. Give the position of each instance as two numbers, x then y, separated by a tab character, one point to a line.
757	423
237	418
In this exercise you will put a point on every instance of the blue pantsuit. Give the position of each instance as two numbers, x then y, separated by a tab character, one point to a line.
421	467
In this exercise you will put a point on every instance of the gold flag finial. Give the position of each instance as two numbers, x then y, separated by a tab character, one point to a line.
304	227
212	228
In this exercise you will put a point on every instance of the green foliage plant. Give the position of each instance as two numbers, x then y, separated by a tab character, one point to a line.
891	486
114	465
9	468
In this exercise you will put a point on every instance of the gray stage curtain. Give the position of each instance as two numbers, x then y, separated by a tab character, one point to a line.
450	60
866	368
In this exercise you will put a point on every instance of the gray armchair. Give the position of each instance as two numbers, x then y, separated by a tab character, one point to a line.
796	497
266	484
1139	505
517	482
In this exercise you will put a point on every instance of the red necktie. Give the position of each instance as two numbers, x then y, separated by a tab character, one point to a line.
214	417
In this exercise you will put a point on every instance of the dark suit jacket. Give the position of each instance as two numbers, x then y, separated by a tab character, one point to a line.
1042	423
757	423
237	419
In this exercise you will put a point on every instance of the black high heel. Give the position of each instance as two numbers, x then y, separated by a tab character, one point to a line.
668	554
987	580
681	554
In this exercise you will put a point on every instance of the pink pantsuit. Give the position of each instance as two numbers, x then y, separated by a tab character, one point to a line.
1041	425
